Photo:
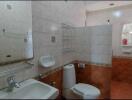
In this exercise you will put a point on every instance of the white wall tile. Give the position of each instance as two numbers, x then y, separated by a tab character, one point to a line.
100	58
117	23
45	17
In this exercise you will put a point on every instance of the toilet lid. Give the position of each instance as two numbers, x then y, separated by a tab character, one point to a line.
85	89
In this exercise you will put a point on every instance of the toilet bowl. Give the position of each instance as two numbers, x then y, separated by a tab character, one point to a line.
71	90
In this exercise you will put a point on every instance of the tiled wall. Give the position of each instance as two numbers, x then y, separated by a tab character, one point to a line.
82	43
101	44
44	26
94	44
70	13
68	42
47	19
122	69
47	22
43	45
117	24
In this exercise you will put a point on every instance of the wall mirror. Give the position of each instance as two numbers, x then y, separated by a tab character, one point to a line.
126	37
15	31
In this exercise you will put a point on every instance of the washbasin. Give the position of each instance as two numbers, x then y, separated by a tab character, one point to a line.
31	89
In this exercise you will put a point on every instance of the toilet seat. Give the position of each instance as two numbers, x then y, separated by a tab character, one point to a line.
85	90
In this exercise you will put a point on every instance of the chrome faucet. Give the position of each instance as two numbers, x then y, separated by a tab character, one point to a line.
12	83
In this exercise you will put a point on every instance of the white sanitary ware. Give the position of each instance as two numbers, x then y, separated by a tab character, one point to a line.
84	91
31	89
47	61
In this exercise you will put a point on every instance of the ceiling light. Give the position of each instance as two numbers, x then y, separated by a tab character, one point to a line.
130	32
117	13
54	28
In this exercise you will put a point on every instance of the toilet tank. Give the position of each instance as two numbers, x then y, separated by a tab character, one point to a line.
69	77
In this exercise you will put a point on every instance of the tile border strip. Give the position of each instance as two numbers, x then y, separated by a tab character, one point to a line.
43	75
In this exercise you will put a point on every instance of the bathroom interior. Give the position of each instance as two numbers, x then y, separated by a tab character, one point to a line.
65	49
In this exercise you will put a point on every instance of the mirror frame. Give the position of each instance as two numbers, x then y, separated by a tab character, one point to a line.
16	61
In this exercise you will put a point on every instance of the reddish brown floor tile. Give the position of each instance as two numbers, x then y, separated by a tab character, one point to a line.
121	90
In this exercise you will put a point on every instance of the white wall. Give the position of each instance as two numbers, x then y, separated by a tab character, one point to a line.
70	13
47	19
101	17
82	43
68	43
43	29
94	44
101	44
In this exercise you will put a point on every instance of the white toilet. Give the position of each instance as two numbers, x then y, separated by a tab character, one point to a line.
71	90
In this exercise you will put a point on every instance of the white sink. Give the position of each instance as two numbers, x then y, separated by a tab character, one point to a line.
31	89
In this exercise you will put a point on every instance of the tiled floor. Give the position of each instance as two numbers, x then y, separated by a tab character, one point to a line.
121	90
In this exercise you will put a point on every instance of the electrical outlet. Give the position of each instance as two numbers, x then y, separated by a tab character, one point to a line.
53	39
81	65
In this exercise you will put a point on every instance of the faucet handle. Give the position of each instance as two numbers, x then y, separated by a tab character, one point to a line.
12	77
17	85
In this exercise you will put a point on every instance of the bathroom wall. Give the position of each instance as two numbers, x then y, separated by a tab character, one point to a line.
93	44
101	44
121	66
70	13
82	43
54	19
47	21
68	43
43	30
101	17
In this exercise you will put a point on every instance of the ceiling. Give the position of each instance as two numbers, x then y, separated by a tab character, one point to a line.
99	5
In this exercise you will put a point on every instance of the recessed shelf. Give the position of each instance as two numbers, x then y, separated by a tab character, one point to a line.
126	45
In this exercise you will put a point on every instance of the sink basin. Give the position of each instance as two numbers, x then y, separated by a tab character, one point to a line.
31	89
